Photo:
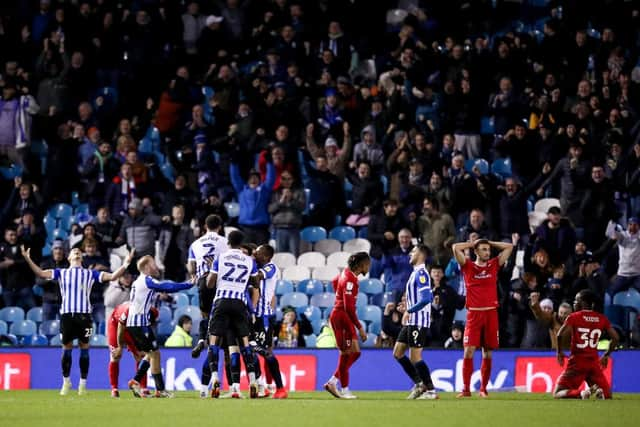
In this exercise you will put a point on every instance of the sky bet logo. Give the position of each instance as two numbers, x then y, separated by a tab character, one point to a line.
15	371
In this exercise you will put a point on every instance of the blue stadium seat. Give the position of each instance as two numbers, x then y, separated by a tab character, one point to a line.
55	340
35	314
310	341
233	209
311	312
58	233
12	314
49	222
363	232
482	165
75	198
381	300
4	328
313	234
190	310
372	313
35	340
629	298
164	315
10	172
165	329
371	286
284	287
23	328
375	328
502	167
362	300
279	314
370	342
180	299
324	300
385	184
618	316
13	339
98	341
486	126
46	250
50	328
167	170
342	233
81	208
61	209
195	300
311	287
294	299
460	316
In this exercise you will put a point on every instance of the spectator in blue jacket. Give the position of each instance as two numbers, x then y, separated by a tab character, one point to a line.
254	198
397	267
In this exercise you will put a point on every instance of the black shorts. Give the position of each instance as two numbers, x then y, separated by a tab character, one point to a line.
229	315
206	295
262	331
76	325
143	337
414	336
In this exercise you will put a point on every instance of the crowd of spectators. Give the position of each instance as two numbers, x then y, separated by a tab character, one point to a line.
373	114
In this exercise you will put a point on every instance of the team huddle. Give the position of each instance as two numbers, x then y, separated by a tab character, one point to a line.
236	284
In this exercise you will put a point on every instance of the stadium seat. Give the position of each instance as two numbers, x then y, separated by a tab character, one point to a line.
326	273
165	329
460	316
296	273
372	313
310	312
618	315
370	342
50	328
342	233
49	222
233	209
283	260
361	301
98	341
543	205
180	299
629	298
481	164
4	328
313	234
385	184
13	339
327	246
61	209
487	126
324	300
311	287
502	167
371	286
35	314
35	340
12	314
294	299
363	232
81	208
338	259
535	219
381	300
279	314
164	315
374	328
283	287
58	233
190	310
310	341
312	260
195	300
357	245
23	328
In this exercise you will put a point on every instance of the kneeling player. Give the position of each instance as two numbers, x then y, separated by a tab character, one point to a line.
415	334
585	327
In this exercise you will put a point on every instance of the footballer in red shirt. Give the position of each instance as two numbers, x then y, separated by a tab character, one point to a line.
481	283
118	338
585	327
344	322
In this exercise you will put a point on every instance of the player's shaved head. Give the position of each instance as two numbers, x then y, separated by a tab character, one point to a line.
144	262
235	239
213	222
585	300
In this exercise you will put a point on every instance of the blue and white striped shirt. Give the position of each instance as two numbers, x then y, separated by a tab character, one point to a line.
267	289
419	297
205	251
234	269
75	288
143	294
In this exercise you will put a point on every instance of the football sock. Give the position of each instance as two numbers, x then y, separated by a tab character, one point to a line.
354	357
84	363
114	371
235	367
256	364
343	369
274	371
423	372
213	356
485	373
66	363
227	367
143	381
143	367
249	362
159	381
409	369
205	379
202	329
467	370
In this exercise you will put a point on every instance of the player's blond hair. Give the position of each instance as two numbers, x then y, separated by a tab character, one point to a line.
142	262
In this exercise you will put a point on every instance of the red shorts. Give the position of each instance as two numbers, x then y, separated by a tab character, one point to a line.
481	329
581	370
112	334
343	329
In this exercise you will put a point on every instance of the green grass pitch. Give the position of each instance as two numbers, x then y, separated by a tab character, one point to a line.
47	408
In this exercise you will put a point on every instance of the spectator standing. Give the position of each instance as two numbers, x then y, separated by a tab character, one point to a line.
286	208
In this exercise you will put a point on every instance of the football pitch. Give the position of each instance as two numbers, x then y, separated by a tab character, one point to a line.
47	408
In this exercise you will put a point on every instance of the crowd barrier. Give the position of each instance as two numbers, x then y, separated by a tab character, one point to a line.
306	370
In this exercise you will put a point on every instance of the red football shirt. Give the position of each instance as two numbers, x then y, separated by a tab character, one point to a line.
481	283
588	327
120	313
346	286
